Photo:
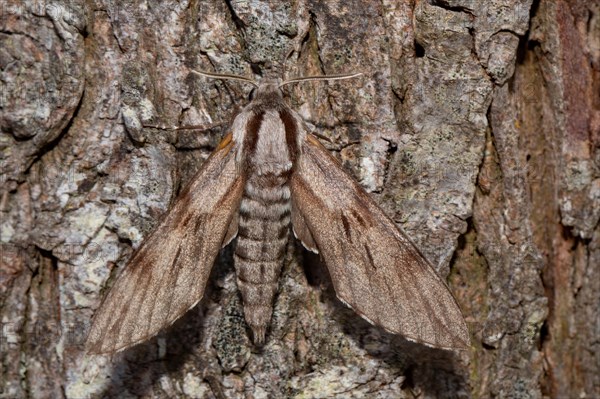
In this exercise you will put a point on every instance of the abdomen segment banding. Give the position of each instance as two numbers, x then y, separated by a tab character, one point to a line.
264	220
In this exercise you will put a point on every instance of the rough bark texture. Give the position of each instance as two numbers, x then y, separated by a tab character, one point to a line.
476	127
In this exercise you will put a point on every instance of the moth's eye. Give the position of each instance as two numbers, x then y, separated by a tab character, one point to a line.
252	95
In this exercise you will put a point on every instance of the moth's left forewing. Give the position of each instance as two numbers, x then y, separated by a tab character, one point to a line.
374	267
167	275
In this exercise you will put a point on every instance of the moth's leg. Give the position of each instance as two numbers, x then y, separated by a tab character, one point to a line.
322	137
330	141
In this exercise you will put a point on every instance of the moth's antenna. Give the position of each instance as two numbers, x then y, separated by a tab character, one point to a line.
225	76
324	77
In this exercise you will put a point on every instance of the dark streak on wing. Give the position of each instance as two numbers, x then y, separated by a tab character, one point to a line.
186	220
374	266
346	225
358	217
141	284
167	275
370	256
174	276
155	289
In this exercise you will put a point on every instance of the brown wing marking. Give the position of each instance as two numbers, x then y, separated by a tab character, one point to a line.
167	275
375	268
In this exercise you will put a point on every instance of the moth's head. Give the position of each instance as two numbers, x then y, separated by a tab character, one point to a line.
267	88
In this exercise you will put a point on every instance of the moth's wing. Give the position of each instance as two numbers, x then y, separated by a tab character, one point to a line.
167	275
301	231
374	267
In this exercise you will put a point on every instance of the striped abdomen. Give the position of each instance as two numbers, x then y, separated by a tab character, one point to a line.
264	219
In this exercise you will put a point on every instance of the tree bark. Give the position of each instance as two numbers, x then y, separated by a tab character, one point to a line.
476	127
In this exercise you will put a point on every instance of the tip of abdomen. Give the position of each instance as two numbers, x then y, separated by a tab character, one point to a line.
258	317
258	335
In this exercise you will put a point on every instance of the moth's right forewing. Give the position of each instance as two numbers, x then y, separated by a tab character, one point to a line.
374	267
168	274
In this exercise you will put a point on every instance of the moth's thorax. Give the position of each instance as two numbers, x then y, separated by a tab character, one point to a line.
268	131
271	153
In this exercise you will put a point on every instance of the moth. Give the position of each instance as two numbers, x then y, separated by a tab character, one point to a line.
269	174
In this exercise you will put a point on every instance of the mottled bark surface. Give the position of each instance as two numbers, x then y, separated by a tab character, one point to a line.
476	127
